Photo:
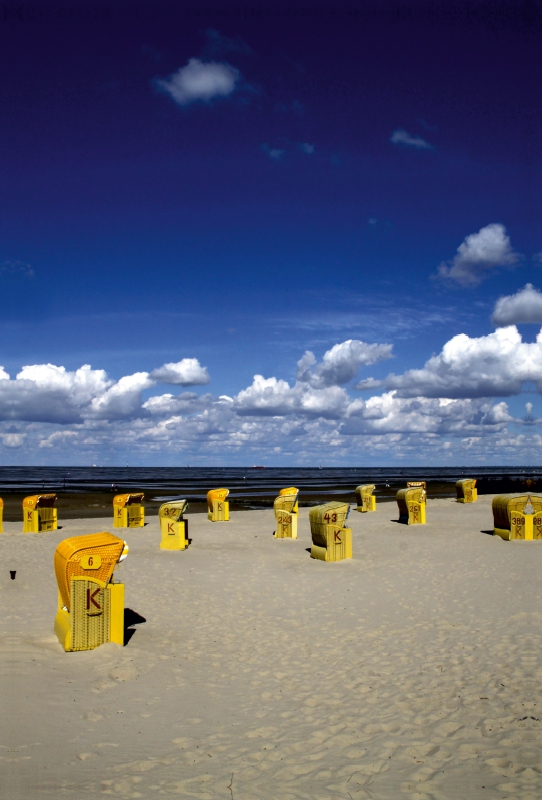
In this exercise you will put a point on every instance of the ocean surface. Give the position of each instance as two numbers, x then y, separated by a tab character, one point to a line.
249	482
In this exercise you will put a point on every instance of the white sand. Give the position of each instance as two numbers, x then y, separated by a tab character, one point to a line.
411	671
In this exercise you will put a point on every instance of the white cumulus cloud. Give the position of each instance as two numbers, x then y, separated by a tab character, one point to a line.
478	254
496	365
266	396
200	80
388	414
168	404
341	363
402	137
187	372
523	307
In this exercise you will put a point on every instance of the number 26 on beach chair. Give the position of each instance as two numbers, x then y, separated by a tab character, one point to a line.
331	540
411	502
173	527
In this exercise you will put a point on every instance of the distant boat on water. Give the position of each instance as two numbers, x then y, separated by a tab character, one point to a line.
258	467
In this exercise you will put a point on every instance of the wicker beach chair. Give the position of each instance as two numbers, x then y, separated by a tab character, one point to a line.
466	490
128	511
218	508
331	540
286	507
90	605
365	498
173	528
411	502
517	516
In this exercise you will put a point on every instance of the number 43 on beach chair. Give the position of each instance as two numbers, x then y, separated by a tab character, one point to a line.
331	541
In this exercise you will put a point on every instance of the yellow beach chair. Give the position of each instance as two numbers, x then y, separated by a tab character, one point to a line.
331	540
218	508
128	511
90	606
39	513
173	527
286	507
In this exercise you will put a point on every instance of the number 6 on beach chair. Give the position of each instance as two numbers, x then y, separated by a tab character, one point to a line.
90	605
286	507
411	502
331	541
173	527
218	508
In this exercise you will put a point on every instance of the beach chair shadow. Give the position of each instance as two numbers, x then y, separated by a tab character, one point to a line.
131	618
489	533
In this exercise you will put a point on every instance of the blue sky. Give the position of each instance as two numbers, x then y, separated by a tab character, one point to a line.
221	188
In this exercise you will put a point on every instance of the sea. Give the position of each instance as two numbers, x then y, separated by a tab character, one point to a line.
257	486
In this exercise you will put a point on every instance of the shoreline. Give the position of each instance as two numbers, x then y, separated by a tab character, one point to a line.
92	505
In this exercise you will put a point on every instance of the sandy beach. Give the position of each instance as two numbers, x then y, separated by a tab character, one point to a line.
412	670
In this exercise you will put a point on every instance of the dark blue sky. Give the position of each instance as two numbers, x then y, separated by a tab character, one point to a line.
310	205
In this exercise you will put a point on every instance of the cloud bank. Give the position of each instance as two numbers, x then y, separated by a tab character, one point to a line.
453	404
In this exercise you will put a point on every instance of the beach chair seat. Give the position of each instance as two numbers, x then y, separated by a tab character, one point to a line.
218	508
466	490
517	516
365	498
331	540
411	502
173	528
128	511
90	605
286	507
39	513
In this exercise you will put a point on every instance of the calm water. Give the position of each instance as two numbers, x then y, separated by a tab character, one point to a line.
194	482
